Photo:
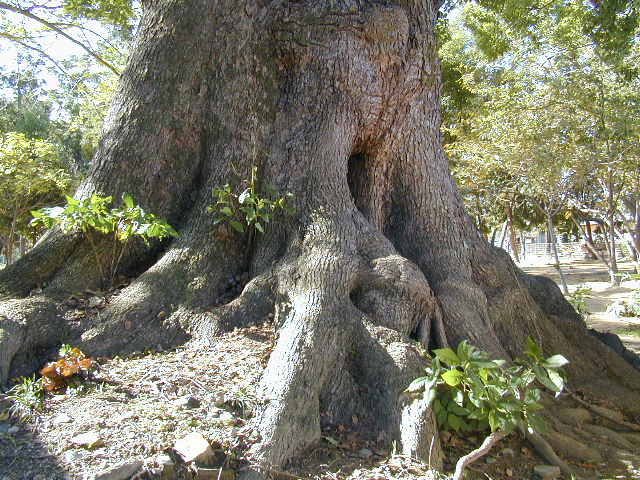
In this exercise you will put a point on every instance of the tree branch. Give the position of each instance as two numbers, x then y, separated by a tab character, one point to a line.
58	30
20	41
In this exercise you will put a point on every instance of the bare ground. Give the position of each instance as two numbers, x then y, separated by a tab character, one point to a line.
137	407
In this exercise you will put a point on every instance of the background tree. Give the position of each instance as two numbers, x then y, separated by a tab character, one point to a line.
32	175
555	91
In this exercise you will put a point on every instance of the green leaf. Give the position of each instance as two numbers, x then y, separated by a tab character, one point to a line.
441	417
237	226
533	350
332	441
452	377
448	356
556	361
417	385
227	211
128	200
557	380
543	378
454	422
536	423
493	420
477	414
459	411
463	351
259	227
430	395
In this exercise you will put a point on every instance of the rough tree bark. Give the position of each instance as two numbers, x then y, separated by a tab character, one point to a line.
338	103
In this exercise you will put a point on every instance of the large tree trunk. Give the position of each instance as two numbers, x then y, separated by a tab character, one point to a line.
338	103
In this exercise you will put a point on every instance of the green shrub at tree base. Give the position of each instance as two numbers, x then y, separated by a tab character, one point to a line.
93	217
470	392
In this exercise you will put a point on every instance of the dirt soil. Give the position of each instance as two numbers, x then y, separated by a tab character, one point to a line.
593	275
134	409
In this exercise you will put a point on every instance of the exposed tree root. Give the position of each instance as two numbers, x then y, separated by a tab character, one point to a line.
604	413
547	452
479	452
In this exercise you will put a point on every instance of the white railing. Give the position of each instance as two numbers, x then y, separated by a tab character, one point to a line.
575	250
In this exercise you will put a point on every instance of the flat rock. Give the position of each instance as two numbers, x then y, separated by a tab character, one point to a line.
226	418
547	472
365	452
120	472
187	402
88	440
94	302
72	456
194	447
61	418
215	474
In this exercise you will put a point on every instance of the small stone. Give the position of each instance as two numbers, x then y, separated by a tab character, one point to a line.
547	472
194	447
88	440
120	472
187	402
61	418
365	452
13	430
218	399
226	418
94	302
72	456
507	451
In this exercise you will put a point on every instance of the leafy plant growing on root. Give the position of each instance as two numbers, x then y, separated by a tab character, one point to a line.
27	397
29	393
468	391
250	209
93	217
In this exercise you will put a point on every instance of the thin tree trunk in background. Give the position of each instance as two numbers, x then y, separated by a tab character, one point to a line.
635	234
554	248
503	234
513	237
589	238
611	217
590	245
22	245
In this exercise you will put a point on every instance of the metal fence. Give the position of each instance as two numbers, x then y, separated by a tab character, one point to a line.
566	250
